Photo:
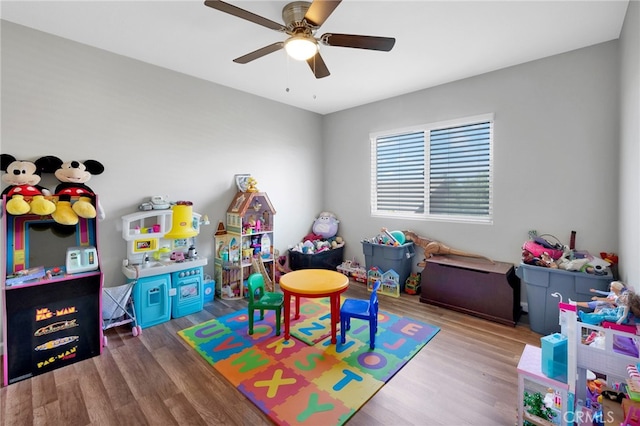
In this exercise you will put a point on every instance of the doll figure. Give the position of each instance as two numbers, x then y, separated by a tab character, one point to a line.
619	314
633	300
606	299
594	388
548	398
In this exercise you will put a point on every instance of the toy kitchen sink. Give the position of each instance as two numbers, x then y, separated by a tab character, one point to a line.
156	267
163	262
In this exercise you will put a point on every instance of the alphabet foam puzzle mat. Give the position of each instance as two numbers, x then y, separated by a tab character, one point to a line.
311	382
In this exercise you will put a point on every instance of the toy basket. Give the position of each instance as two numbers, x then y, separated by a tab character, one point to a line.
118	309
111	309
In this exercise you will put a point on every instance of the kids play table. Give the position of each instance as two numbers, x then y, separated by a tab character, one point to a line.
313	283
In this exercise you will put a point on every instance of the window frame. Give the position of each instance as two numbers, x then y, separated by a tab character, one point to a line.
426	129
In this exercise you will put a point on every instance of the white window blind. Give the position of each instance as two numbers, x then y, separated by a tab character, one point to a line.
446	167
399	177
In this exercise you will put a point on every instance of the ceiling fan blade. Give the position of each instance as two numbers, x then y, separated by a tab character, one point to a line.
244	14
318	67
384	44
259	53
319	11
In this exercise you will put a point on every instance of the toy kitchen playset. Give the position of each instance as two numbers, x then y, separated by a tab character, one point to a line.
163	262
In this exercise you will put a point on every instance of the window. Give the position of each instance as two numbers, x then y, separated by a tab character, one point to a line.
435	171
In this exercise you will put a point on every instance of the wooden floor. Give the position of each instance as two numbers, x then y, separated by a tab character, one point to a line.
465	375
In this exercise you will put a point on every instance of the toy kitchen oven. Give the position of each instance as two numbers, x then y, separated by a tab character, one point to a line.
163	262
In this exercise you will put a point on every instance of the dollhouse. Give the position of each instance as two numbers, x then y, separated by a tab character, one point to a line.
608	350
389	281
248	238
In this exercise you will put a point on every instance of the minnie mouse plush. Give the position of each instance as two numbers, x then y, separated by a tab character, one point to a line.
23	178
72	176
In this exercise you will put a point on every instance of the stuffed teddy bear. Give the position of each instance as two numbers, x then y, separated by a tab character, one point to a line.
72	176
337	243
23	178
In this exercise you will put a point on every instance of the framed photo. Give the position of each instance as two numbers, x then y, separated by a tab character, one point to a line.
241	181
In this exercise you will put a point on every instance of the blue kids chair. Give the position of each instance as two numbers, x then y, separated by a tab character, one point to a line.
263	300
362	309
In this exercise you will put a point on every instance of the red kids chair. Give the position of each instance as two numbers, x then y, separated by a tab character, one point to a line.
362	309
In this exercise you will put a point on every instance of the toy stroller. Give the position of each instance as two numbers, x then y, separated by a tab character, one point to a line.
118	309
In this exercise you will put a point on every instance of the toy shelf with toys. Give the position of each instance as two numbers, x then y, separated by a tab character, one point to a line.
609	352
248	237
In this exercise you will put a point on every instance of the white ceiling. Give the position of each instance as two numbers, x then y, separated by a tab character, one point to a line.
436	41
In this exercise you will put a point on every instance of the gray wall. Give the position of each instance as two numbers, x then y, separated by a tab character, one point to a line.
629	172
555	154
157	132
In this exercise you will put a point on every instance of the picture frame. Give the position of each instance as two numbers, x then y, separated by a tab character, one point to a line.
242	181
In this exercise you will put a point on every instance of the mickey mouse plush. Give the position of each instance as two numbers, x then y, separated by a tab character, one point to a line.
72	176
23	178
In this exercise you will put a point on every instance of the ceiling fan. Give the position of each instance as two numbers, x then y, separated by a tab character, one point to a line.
302	19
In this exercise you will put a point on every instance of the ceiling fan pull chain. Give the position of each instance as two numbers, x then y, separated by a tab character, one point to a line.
288	73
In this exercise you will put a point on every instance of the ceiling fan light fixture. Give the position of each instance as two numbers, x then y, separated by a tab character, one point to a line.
301	47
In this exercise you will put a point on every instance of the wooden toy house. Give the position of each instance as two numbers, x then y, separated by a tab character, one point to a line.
248	237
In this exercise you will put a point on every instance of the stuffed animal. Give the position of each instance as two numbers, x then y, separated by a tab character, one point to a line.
23	178
337	243
326	225
72	176
547	261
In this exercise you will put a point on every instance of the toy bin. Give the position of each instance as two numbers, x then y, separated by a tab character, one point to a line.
328	259
386	257
541	282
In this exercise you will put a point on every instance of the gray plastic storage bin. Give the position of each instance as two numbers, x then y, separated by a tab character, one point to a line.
398	258
542	282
